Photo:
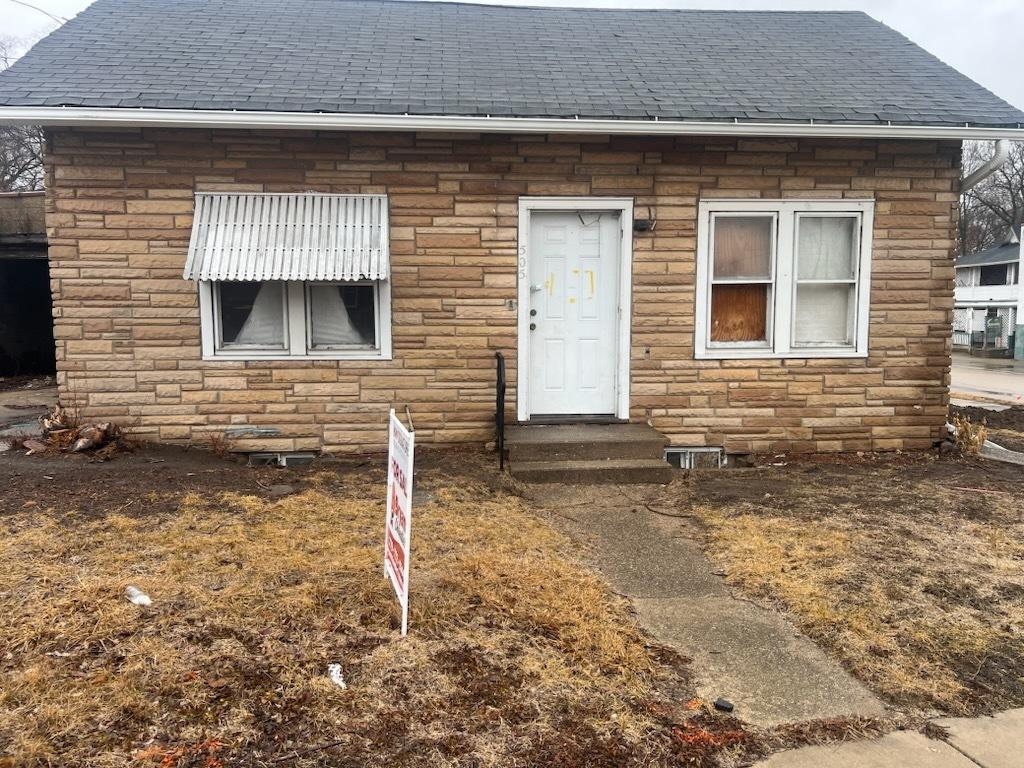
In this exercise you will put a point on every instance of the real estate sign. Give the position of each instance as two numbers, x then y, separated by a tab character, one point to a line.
398	520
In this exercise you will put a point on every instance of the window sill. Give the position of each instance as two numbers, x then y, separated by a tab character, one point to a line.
246	357
741	353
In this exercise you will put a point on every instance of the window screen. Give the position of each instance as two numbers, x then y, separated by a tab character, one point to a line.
252	315
826	279
342	316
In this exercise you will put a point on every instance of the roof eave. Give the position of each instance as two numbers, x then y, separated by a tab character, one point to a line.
195	118
995	263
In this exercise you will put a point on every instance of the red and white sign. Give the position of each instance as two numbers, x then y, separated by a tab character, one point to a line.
398	520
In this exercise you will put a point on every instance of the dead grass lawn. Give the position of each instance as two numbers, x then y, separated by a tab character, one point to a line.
910	570
517	654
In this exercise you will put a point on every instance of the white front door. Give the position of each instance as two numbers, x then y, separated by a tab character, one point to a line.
574	289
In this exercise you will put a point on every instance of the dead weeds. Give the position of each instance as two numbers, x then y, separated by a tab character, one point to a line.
910	570
1005	428
518	656
970	436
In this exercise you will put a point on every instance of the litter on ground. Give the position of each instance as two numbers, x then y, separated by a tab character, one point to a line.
137	596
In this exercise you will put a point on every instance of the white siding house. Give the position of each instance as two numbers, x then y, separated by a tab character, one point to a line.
989	309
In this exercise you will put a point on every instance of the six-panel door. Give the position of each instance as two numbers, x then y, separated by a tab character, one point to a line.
573	308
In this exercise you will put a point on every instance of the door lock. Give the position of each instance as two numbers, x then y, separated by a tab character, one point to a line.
533	326
533	313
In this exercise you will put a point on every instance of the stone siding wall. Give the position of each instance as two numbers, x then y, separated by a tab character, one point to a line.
127	325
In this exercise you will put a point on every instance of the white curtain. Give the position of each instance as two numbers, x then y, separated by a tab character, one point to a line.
826	248
265	324
823	314
332	320
743	247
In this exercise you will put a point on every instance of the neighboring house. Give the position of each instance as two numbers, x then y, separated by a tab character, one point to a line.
990	300
289	217
26	311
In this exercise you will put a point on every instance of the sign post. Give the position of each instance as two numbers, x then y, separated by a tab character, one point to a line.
398	519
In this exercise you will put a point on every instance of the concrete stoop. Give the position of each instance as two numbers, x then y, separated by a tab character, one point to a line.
584	454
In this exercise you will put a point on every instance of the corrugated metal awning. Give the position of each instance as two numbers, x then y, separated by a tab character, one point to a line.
305	236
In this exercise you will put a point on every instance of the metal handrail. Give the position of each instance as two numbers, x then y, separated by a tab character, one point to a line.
499	409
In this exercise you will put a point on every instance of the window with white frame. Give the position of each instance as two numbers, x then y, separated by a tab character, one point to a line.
783	278
292	276
276	319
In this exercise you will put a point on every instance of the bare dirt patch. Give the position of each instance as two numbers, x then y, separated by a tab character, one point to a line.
519	655
909	569
1012	418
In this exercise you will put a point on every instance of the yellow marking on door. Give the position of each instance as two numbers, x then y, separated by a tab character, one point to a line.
593	283
572	300
550	284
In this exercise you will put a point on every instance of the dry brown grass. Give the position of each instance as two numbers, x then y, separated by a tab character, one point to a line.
517	655
970	436
915	580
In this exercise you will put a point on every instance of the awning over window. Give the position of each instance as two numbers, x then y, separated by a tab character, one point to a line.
304	236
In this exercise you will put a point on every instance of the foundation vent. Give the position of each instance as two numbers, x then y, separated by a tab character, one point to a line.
281	459
695	457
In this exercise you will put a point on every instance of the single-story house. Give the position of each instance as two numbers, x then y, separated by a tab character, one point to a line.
278	220
989	296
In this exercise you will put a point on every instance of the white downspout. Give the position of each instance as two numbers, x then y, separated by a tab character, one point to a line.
999	157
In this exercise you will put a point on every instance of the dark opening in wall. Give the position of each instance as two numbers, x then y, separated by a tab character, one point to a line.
26	317
994	274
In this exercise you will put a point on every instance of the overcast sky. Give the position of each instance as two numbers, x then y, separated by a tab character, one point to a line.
984	39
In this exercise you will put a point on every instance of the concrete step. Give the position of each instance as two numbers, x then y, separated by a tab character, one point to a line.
613	449
593	471
579	442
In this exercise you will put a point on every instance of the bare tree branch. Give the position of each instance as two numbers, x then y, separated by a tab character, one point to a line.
992	207
21	147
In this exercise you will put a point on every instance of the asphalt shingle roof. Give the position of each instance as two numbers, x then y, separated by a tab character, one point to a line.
427	58
999	254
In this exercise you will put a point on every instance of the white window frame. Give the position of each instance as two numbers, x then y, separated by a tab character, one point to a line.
771	281
781	308
297	327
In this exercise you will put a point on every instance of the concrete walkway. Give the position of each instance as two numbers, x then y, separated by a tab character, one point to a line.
988	742
741	652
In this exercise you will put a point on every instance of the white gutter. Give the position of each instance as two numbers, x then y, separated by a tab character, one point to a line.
113	117
997	161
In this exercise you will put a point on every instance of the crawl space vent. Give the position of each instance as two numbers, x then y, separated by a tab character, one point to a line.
696	457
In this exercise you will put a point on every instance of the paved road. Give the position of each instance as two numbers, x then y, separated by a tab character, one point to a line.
984	377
